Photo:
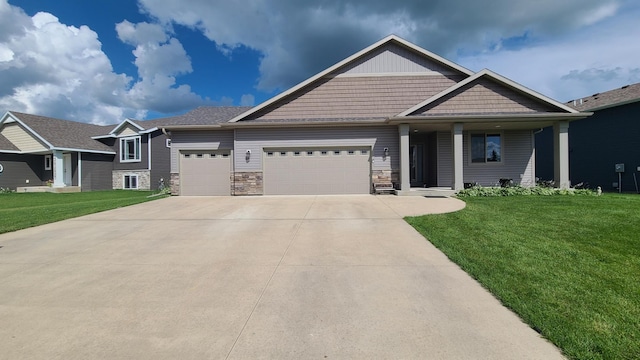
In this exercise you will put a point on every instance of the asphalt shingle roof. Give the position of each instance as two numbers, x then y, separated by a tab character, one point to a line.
5	144
625	94
205	115
64	133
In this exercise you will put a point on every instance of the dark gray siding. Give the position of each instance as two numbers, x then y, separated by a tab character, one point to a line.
160	159
96	171
20	168
596	144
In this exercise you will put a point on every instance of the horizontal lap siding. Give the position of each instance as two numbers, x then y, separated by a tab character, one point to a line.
256	140
198	140
346	97
517	161
18	168
21	138
96	172
485	97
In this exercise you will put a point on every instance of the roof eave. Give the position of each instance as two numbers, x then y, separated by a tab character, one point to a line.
488	117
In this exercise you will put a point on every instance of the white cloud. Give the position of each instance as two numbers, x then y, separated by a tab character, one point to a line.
141	33
247	100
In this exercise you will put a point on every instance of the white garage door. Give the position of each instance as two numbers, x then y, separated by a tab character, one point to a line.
317	171
205	172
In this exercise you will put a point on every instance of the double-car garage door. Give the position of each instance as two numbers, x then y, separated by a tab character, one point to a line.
317	171
286	171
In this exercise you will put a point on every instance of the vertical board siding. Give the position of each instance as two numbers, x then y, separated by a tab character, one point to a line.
160	159
485	96
517	161
96	172
198	140
377	138
358	97
21	139
393	58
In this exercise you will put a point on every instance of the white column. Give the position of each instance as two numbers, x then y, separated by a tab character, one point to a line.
456	142
561	154
58	169
405	180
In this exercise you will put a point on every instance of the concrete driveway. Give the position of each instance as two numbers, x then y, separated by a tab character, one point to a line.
305	277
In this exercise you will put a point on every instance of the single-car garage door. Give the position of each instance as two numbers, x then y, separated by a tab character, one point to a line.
317	171
205	172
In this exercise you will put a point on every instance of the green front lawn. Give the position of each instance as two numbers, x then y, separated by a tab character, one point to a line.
569	266
23	210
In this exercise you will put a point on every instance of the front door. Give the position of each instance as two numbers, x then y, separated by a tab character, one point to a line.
68	172
416	153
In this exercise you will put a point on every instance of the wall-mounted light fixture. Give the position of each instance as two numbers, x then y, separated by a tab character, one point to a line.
247	156
386	152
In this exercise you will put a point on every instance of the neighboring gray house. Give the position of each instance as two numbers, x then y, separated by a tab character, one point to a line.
69	155
610	136
392	113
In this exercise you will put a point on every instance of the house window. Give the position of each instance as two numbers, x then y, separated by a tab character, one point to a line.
130	182
486	148
130	149
47	162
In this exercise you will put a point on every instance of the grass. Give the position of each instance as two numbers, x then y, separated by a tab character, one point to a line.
23	210
569	266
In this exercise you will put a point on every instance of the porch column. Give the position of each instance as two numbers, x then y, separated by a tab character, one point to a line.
405	180
456	142
58	169
561	154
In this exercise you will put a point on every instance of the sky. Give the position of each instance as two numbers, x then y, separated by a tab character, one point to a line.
102	61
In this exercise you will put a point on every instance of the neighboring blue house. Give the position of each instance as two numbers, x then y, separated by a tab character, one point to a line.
597	144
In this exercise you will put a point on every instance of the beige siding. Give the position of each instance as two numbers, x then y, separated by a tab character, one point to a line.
22	139
198	140
127	130
358	97
485	97
377	138
393	58
517	161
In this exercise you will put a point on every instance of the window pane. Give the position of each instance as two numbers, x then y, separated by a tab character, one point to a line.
477	148
494	147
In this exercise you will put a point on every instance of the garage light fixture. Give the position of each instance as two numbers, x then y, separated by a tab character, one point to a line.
248	155
386	152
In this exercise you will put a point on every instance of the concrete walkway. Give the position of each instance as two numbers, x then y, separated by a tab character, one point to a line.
304	277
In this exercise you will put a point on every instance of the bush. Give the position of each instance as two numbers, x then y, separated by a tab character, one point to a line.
5	190
480	191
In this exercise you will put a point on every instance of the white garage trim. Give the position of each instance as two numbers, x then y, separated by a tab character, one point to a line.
205	172
317	171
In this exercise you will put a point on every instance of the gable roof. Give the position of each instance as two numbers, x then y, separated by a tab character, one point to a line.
7	145
616	97
477	78
392	39
58	134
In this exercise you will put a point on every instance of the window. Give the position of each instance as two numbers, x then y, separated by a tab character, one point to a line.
130	182
47	162
269	153
130	149
310	153
486	148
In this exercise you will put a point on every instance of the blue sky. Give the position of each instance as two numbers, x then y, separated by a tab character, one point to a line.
101	61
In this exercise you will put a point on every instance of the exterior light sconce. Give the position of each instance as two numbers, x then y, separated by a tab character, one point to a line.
247	156
385	154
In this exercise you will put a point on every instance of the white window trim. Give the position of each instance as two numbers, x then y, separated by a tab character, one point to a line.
139	142
48	165
124	181
486	163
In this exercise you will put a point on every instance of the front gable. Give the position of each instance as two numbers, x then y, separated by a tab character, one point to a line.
18	135
486	93
376	83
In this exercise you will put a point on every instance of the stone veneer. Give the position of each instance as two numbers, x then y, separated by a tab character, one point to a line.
174	184
144	178
385	177
247	183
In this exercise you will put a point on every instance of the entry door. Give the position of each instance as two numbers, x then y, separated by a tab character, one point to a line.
68	172
415	164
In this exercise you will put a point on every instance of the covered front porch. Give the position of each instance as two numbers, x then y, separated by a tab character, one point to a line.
439	157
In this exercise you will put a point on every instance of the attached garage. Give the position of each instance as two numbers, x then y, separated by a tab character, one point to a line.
205	172
313	171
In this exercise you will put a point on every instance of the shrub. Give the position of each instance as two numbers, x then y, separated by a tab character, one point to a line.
479	191
5	190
